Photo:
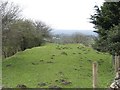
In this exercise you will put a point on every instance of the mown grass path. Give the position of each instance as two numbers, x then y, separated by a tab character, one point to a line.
67	66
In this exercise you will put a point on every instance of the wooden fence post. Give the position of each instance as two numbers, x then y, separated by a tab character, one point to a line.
117	62
95	69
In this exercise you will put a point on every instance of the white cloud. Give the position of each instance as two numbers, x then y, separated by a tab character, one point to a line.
60	14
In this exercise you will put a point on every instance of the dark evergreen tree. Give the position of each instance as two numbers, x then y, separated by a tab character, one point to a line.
107	25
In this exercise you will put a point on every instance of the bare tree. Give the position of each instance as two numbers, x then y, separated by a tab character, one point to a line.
43	28
9	13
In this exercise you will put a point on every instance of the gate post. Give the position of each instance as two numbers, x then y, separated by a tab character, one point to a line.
95	69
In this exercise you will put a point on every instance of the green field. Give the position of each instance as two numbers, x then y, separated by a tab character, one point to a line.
52	65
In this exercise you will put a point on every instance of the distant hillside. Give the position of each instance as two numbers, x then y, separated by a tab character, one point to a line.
70	32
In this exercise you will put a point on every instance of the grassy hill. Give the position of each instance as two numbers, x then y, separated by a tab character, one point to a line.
57	66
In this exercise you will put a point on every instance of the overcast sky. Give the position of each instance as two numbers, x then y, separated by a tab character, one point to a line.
60	14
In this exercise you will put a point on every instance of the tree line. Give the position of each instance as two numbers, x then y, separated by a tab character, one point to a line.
86	40
19	33
107	25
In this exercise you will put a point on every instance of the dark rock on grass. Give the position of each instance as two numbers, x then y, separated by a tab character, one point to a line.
56	80
50	62
65	48
58	48
74	53
8	65
21	86
41	60
89	60
75	69
52	58
81	57
60	72
80	66
33	63
64	82
42	84
79	47
88	50
64	53
53	55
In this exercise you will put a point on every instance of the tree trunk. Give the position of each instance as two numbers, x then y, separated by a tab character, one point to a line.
95	70
117	62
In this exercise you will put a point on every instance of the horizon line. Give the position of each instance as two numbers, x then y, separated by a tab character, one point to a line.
76	29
